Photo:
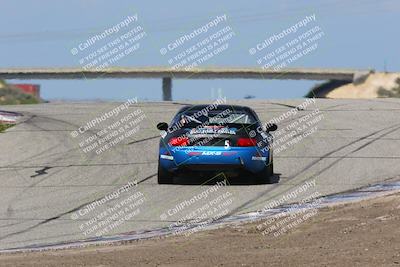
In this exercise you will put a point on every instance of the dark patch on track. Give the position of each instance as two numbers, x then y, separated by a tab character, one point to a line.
144	139
41	171
289	106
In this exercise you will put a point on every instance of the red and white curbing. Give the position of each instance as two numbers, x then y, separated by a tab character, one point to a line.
7	117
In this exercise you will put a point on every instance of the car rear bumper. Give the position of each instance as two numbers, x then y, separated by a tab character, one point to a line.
213	159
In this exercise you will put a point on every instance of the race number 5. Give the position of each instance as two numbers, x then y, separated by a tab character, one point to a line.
227	145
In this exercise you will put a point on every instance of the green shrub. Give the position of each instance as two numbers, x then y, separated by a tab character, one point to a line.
395	92
13	96
3	127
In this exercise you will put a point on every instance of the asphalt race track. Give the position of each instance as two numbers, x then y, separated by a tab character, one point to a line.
46	179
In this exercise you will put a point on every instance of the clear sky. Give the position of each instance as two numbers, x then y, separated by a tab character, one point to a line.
358	34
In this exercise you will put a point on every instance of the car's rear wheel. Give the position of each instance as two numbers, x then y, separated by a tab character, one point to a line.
163	176
266	175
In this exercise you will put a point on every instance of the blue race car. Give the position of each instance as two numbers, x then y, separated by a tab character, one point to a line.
215	138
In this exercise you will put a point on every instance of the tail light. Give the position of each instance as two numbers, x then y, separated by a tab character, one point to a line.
246	142
179	141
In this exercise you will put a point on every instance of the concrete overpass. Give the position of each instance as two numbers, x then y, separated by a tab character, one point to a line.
167	74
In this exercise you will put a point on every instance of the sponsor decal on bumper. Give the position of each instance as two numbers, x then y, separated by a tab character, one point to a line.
167	157
211	153
259	158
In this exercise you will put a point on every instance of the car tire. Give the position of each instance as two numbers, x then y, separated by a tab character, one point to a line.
163	176
266	175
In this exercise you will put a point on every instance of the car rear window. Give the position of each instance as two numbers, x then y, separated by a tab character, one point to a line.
192	118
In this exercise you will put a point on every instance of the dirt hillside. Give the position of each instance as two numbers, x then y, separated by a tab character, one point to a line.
374	86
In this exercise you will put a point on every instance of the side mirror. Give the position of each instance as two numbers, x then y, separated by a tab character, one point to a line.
272	127
163	126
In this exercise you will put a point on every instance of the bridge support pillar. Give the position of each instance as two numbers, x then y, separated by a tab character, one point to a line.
167	89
